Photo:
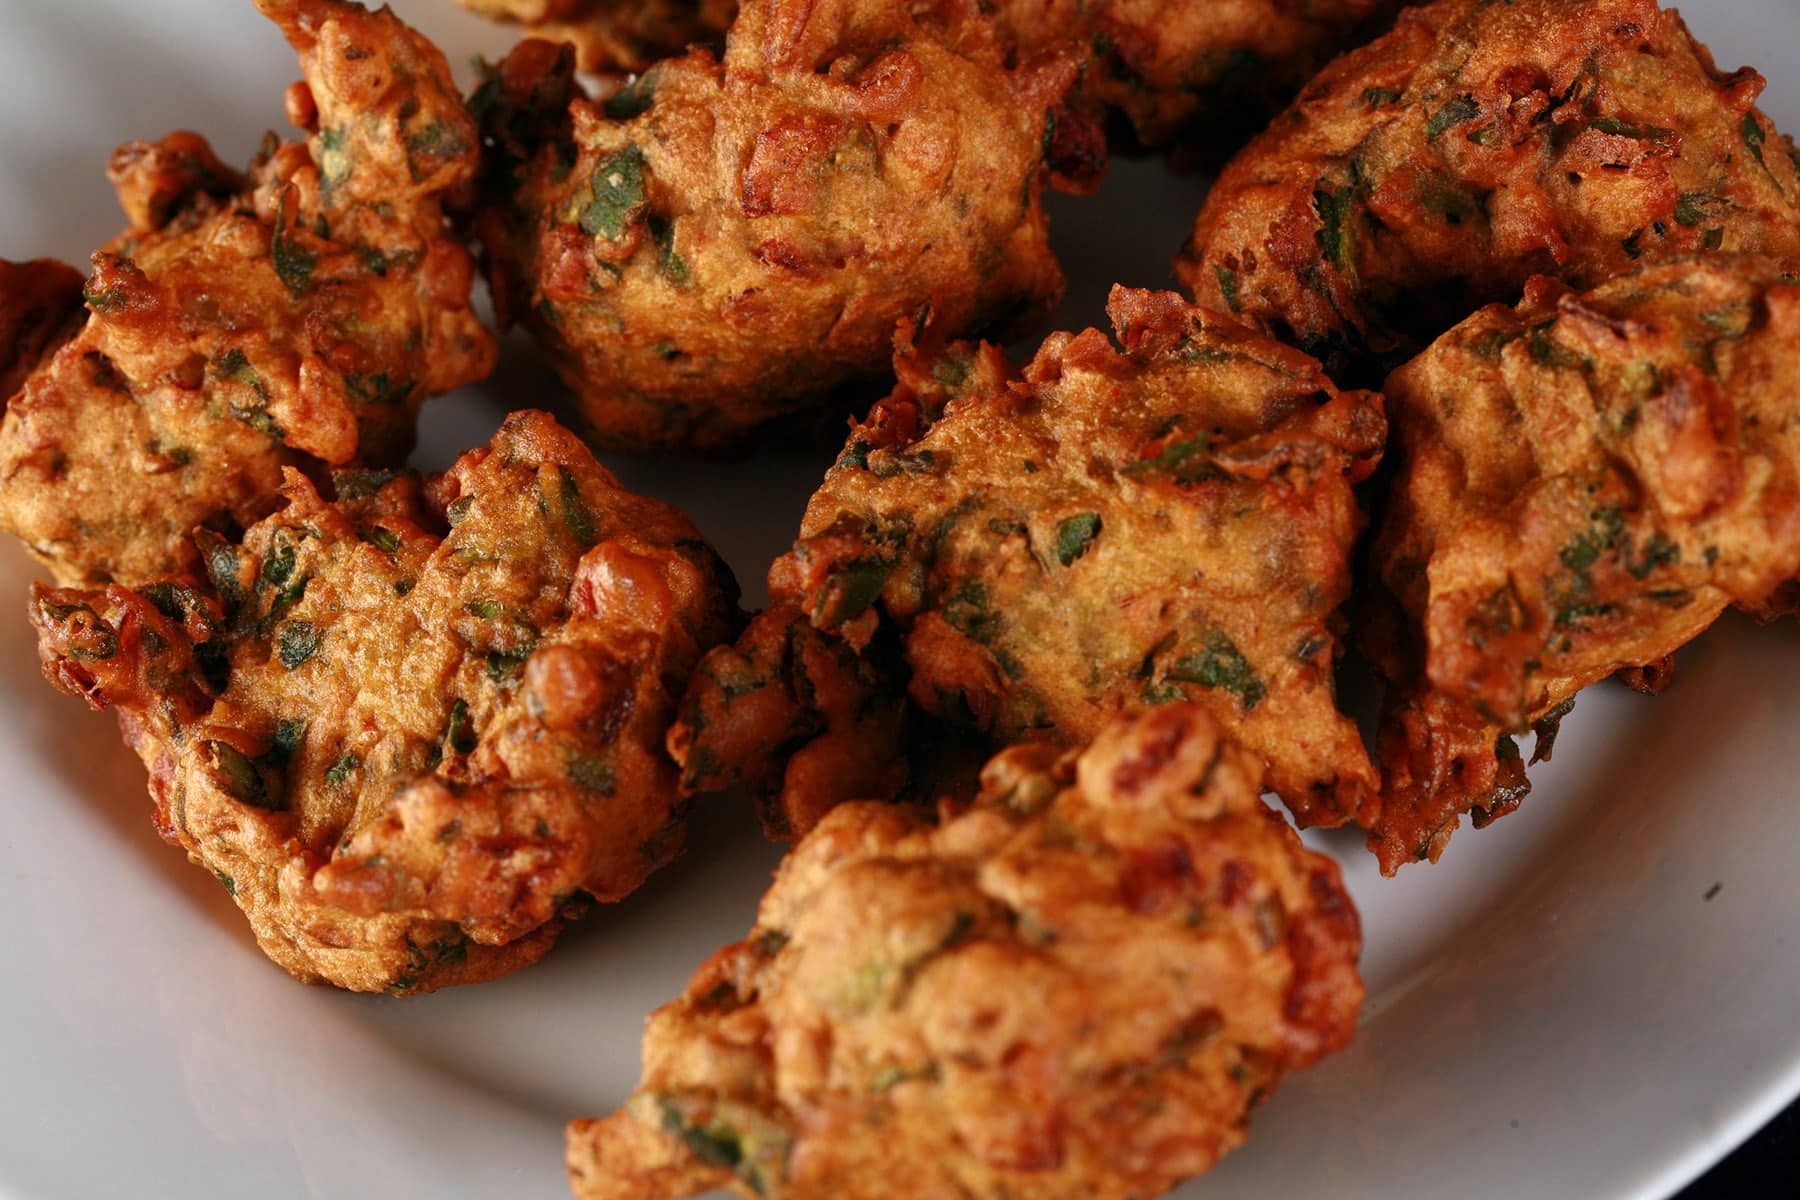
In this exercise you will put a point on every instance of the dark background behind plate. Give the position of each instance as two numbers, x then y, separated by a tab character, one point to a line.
1767	1165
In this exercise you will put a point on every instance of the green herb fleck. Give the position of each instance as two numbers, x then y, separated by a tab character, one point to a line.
716	1144
384	540
1221	665
459	735
1185	460
341	769
171	601
1333	238
575	512
286	739
849	592
297	642
1228	286
662	232
1694	207
221	566
617	188
855	455
1754	137
501	664
1456	112
594	775
361	484
334	164
104	300
237	776
1601	536
293	264
1575	614
1618	128
1075	535
634	98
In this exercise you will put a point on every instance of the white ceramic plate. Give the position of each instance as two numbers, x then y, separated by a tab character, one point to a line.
1594	998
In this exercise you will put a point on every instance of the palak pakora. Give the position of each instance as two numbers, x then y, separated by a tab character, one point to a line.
40	309
618	35
1078	985
413	727
723	242
1477	145
1584	484
1170	69
1182	73
1112	527
242	326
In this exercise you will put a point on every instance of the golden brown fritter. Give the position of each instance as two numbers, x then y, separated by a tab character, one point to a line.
1585	483
40	309
297	318
1079	985
722	243
1480	144
1197	72
1110	528
1168	67
410	727
796	716
618	35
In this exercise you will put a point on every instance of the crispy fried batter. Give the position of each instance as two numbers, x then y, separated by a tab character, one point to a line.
618	35
404	750
1168	67
1585	483
240	327
720	244
1176	69
1077	986
1480	144
1108	529
40	309
796	716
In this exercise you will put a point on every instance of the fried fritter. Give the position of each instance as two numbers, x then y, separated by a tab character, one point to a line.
1166	66
409	728
1079	985
1109	529
1175	68
297	318
618	35
40	309
723	243
1585	483
1479	144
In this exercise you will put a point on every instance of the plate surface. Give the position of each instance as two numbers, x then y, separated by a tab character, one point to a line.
1593	998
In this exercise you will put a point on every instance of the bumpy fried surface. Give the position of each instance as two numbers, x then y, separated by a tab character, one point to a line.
1077	986
1165	66
1174	67
241	327
40	309
1585	483
407	749
618	35
1479	144
1110	528
722	243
